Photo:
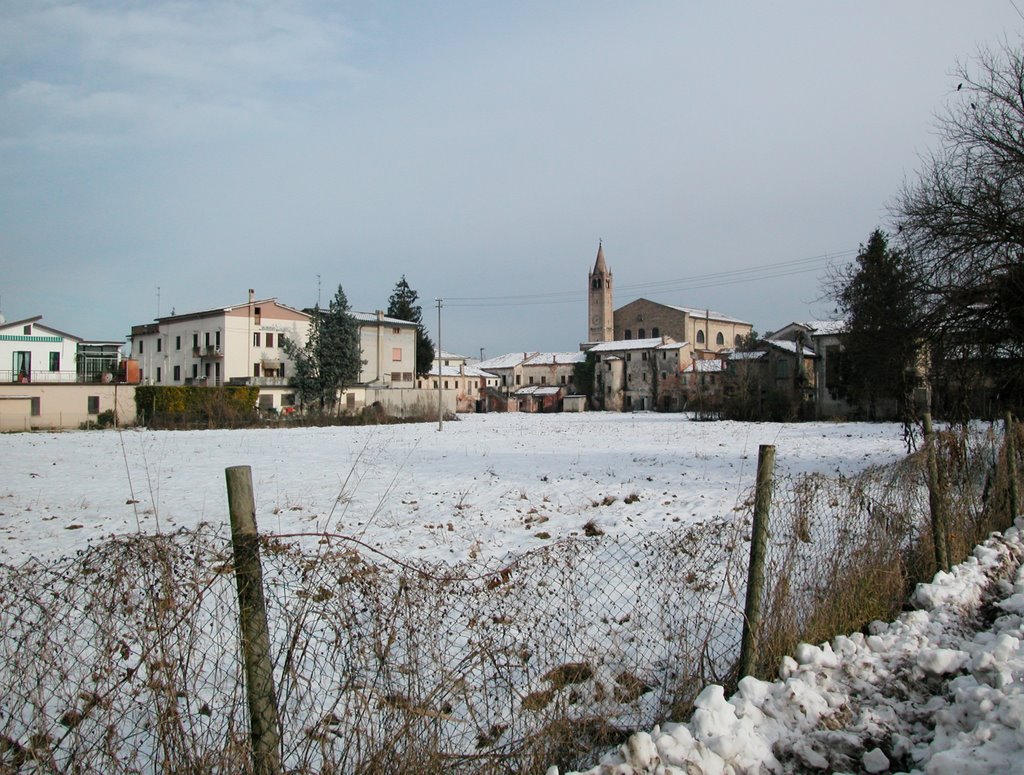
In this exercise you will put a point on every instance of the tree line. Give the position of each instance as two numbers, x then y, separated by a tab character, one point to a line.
937	302
330	359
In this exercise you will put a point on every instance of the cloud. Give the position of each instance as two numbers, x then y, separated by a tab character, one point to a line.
150	73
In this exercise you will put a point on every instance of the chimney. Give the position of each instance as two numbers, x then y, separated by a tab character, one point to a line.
252	295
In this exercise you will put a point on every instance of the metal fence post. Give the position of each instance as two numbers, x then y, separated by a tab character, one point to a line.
1011	465
940	537
252	615
758	548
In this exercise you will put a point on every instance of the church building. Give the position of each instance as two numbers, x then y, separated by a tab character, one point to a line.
707	331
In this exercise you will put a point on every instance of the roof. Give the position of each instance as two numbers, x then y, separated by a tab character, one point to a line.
220	310
444	354
633	344
506	361
788	346
555	359
372	317
826	327
621	345
744	355
35	321
599	264
697	312
538	390
461	371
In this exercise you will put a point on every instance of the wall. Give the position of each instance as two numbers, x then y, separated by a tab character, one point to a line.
62	406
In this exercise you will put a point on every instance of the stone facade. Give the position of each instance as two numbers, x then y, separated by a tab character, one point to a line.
706	330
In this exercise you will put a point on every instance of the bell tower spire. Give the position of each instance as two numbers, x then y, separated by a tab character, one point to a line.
600	327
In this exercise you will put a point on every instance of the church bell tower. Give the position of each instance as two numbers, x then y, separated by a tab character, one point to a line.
601	326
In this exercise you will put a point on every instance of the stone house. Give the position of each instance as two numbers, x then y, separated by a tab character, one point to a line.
637	374
708	331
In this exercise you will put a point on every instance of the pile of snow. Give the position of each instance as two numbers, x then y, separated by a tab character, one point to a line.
928	693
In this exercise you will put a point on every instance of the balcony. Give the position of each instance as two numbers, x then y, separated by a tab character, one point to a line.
209	351
49	377
260	381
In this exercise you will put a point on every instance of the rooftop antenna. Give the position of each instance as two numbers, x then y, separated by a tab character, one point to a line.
158	301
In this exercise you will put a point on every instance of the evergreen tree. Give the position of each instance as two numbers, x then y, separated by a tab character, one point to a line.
882	341
402	305
330	360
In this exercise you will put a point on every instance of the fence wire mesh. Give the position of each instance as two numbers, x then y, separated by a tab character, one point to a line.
125	658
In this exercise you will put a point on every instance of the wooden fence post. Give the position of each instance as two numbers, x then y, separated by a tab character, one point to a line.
252	615
940	536
1011	465
755	571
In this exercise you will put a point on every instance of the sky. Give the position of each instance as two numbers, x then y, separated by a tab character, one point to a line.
168	156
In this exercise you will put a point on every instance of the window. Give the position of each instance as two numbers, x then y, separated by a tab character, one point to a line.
737	340
159	345
519	379
93	404
256	315
141	348
781	368
177	373
629	333
256	339
720	339
216	338
396	330
195	371
27	330
37	406
643	356
640	333
206	338
195	340
396	376
270	340
531	380
55	361
563	379
629	357
446	384
158	374
654	332
700	337
177	343
255	369
280	340
280	370
396	354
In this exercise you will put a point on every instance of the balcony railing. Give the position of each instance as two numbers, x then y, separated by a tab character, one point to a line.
38	375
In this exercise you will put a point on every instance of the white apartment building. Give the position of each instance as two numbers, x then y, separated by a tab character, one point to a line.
244	345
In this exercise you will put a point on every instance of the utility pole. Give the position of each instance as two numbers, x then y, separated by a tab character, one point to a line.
440	405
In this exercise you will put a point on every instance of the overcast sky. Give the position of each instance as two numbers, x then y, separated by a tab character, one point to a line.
481	149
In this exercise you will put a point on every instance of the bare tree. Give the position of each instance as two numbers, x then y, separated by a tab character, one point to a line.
962	224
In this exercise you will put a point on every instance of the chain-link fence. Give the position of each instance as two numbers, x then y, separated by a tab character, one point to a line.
126	657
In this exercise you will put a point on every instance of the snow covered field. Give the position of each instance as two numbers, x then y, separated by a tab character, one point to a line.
486	485
928	693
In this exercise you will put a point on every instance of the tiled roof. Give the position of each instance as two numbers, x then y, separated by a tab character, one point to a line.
554	359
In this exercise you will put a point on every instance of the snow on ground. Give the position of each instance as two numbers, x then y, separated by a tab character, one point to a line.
485	485
929	693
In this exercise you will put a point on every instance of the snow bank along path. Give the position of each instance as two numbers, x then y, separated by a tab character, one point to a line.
928	693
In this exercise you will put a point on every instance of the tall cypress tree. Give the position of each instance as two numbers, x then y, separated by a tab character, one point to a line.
883	335
330	360
402	305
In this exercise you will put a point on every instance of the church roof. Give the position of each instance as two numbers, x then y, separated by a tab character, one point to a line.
599	264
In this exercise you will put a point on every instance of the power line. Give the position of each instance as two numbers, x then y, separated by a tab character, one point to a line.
696	282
